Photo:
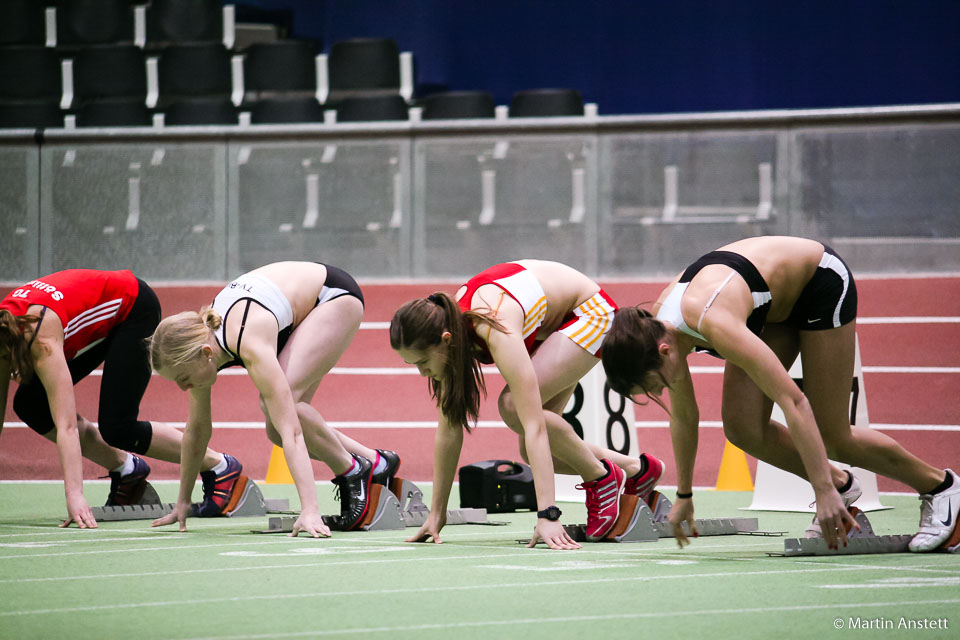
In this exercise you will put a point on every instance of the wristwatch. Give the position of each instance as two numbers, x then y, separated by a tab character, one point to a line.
550	513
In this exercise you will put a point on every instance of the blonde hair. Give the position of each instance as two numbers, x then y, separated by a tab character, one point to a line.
179	338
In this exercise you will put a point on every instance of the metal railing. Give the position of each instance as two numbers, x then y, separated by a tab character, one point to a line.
612	195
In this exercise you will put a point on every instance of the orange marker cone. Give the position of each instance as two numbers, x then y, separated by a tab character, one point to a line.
734	472
277	471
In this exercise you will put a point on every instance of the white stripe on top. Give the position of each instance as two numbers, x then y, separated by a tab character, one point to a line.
91	316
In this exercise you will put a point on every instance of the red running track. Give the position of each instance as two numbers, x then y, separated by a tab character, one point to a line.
912	370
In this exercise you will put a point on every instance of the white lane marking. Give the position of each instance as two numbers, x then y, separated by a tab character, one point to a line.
897	583
315	551
381	592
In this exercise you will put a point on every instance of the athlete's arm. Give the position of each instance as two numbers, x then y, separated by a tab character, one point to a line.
739	346
684	433
513	361
196	436
258	352
51	368
447	443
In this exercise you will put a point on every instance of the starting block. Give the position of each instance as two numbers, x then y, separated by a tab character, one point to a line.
642	522
858	542
245	500
415	512
397	507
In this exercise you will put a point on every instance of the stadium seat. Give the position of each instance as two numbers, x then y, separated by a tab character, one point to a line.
284	67
86	22
363	66
286	110
30	114
200	111
193	70
30	87
184	21
30	73
458	105
22	22
535	103
114	112
372	108
117	71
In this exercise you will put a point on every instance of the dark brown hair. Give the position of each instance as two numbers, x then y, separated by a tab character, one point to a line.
14	342
419	324
632	350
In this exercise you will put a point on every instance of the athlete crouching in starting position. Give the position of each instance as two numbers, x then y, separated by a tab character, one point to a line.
54	331
542	324
757	303
287	323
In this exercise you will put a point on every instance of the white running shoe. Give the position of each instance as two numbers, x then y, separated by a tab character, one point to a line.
938	518
849	496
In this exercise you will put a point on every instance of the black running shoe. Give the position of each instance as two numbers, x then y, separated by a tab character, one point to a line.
128	489
388	473
353	493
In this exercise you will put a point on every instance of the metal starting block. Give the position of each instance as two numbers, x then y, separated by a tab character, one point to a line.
415	512
858	542
638	522
382	515
397	507
245	500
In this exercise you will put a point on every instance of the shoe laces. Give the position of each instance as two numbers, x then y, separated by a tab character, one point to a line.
593	498
926	510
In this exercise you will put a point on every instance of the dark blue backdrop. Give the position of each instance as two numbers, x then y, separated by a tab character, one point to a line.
655	56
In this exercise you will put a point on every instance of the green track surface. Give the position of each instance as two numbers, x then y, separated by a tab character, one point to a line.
127	580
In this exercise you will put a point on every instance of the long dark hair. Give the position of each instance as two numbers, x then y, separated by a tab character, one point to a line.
631	350
14	341
419	324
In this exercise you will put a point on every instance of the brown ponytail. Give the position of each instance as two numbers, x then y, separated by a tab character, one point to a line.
631	350
13	340
420	324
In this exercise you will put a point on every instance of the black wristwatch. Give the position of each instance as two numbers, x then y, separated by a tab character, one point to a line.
550	513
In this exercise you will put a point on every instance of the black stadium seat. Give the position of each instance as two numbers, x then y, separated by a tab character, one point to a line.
286	110
193	70
85	22
534	103
200	111
184	21
22	22
458	105
372	108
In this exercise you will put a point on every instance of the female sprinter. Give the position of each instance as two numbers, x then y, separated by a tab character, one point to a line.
95	317
287	323
758	303
542	324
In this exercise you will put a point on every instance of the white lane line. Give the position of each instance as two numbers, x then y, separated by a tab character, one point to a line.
143	549
420	590
541	622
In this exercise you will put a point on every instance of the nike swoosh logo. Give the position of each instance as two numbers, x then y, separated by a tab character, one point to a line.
949	519
812	321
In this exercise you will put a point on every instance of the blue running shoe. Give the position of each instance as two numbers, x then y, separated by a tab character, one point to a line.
217	489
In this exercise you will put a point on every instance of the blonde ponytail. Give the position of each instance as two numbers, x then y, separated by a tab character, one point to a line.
179	338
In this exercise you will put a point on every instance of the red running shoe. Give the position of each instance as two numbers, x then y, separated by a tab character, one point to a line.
603	501
218	488
641	485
